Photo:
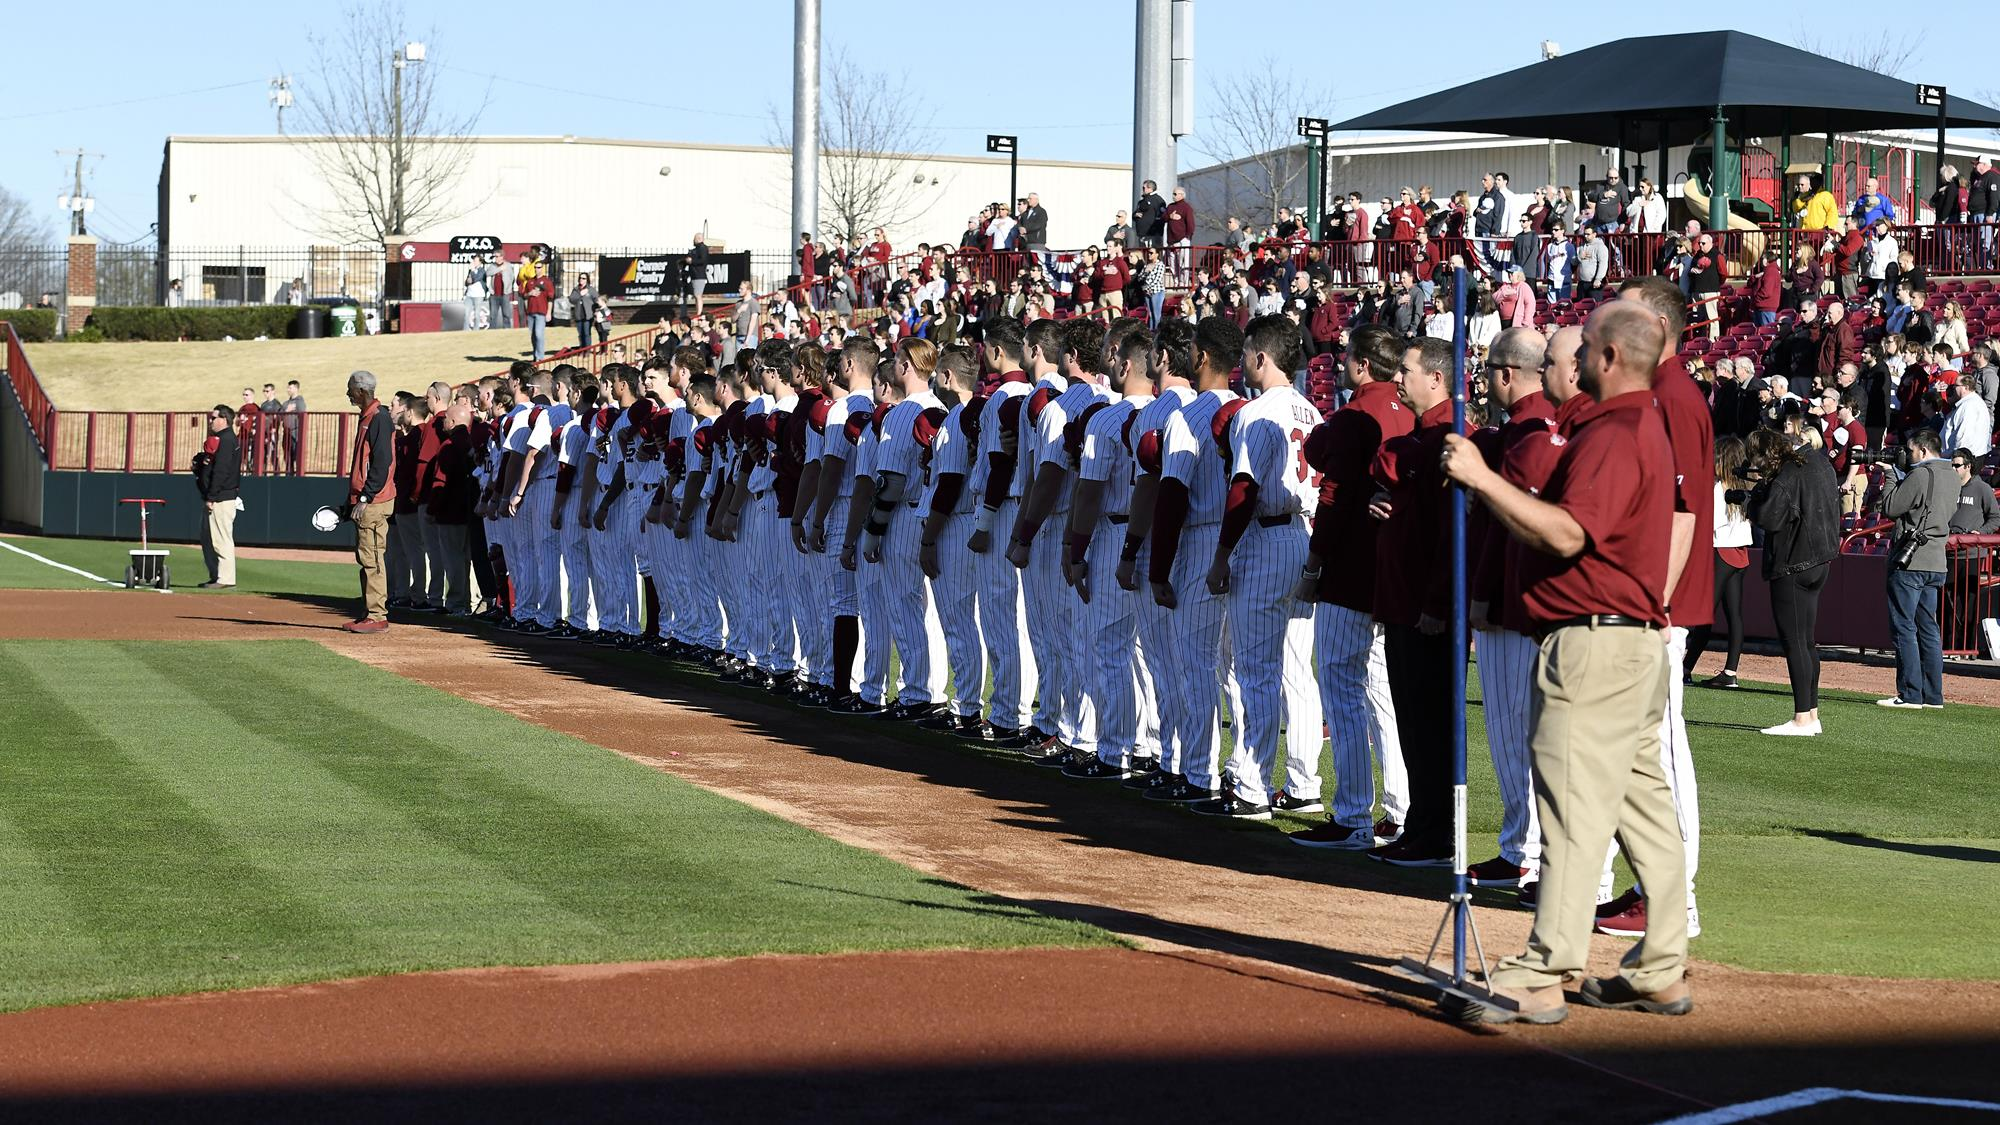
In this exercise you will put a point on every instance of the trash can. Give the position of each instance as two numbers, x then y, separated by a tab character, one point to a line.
346	320
309	323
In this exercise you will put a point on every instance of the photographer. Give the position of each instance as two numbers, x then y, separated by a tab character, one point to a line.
1796	504
1922	504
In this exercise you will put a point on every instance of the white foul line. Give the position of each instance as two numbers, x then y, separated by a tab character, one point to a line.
57	565
1801	1099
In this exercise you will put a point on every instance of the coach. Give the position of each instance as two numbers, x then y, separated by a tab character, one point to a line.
218	472
371	496
1594	583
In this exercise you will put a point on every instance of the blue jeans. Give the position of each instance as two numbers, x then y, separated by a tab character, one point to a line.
1766	317
583	326
1913	623
1154	303
536	322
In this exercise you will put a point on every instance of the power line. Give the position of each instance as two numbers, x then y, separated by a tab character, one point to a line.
130	101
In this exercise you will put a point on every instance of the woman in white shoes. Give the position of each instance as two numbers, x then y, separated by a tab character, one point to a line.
1796	504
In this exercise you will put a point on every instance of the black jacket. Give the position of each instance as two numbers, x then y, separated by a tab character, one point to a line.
1034	226
1149	216
1983	200
1798	510
218	468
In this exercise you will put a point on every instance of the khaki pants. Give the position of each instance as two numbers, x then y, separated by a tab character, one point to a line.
371	541
218	541
1600	694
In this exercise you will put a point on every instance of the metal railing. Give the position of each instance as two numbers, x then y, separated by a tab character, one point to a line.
28	389
315	443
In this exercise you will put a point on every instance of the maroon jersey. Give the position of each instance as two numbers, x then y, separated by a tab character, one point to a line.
1486	537
1341	450
1410	545
1615	477
1691	435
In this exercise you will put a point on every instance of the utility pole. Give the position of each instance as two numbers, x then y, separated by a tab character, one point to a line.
281	97
76	202
805	119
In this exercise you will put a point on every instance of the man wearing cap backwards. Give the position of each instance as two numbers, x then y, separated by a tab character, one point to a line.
371	495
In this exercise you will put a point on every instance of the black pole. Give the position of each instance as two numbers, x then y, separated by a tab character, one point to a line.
1942	118
1014	176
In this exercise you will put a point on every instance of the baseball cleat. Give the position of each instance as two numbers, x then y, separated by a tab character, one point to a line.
902	712
1285	802
1180	792
1387	830
1156	779
1496	872
1408	853
1028	738
1095	769
855	705
1055	756
1335	836
1231	806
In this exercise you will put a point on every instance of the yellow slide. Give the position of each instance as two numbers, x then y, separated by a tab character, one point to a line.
1747	249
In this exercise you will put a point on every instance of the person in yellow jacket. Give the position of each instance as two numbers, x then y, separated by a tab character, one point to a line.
1814	209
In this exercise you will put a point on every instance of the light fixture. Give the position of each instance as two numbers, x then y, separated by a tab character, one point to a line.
919	181
666	169
1551	49
413	52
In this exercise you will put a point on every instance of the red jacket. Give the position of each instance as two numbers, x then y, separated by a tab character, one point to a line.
536	293
1769	282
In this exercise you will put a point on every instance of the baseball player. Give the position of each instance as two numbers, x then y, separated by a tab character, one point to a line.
704	608
1691	432
1042	355
572	443
1262	544
1002	615
1411	595
530	492
620	505
892	534
941	553
1339	575
1187	521
1099	513
1046	486
673	561
801	590
817	585
853	406
721	547
656	544
1515	362
866	434
1174	366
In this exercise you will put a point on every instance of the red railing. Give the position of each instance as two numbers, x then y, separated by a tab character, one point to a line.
106	441
1971	593
28	389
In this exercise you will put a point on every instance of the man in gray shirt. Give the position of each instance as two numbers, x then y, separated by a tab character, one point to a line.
1593	262
1922	504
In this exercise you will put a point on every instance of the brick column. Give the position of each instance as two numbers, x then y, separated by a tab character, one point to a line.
82	286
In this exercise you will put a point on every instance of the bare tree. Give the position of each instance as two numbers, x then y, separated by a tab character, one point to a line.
1876	50
30	254
1252	132
360	134
872	129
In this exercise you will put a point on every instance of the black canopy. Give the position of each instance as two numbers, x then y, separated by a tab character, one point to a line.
1663	89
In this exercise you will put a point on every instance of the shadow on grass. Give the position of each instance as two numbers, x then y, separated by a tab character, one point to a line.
1959	852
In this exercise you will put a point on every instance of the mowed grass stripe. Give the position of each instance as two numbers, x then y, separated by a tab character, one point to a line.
164	892
282	808
606	838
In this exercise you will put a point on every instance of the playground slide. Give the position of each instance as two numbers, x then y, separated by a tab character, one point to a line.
1747	249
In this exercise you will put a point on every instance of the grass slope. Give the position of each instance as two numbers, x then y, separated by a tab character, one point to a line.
141	375
211	815
107	558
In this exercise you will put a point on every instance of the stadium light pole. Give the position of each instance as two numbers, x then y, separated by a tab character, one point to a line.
999	142
408	53
1313	129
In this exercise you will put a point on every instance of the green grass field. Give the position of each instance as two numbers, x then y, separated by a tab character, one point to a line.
106	558
197	815
1871	850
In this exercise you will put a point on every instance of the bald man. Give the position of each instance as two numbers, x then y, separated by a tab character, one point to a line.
1594	579
1514	371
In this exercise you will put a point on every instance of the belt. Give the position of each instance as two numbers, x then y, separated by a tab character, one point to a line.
1595	621
1117	517
1276	521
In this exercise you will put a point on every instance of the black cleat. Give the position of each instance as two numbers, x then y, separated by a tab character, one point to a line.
1095	768
1231	806
1180	792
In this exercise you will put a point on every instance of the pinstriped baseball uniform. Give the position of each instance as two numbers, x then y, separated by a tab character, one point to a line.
1108	671
1044	640
1155	622
770	546
955	591
1003	619
520	577
672	559
753	537
704	612
802	592
903	448
1349	650
875	606
1272	632
580	608
1188	455
621	523
1052	605
809	609
846	420
544	559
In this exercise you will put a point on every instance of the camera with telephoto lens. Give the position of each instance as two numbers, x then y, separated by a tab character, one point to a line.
1907	548
1899	457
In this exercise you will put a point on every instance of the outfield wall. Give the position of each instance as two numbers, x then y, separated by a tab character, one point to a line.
276	510
21	464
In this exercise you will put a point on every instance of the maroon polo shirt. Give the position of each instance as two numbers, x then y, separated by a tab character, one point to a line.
1486	536
1410	544
1342	449
1527	465
1615	477
1691	435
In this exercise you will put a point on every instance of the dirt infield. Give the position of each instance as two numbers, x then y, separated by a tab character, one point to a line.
1274	936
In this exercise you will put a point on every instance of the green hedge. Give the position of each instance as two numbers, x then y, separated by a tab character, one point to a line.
33	326
244	322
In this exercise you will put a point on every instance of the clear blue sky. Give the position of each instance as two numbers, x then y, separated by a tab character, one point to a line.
203	69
